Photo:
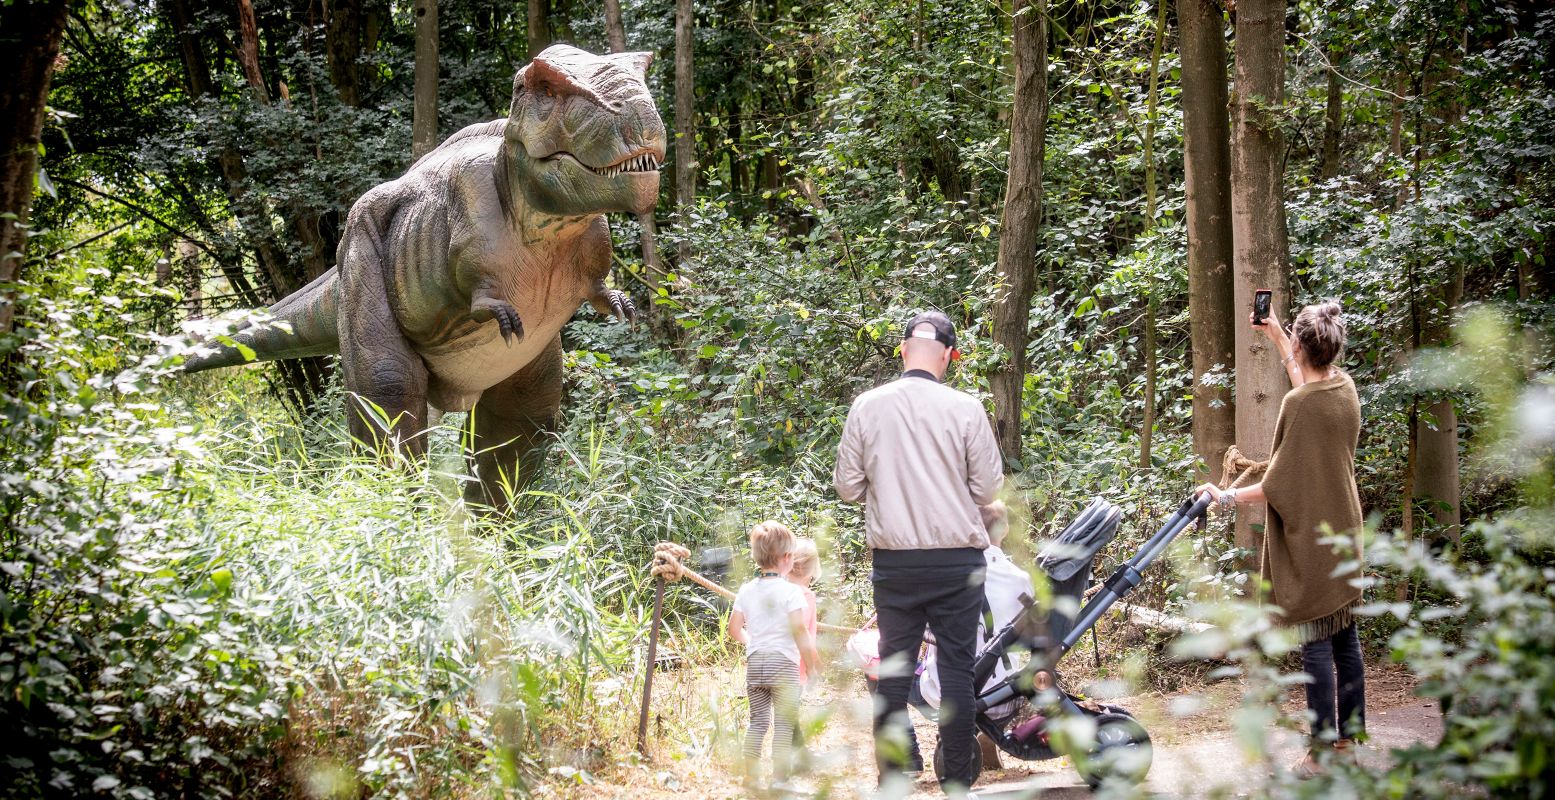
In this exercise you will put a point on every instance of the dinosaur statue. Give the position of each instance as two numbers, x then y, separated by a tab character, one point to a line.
453	282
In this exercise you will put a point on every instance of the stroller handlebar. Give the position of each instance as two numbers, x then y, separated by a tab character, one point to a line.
1122	581
1131	572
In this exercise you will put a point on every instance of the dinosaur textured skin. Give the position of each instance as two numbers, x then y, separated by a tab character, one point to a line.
453	282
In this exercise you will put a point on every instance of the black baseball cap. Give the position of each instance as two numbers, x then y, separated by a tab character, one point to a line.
944	331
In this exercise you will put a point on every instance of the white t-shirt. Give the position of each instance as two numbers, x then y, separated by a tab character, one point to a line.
766	604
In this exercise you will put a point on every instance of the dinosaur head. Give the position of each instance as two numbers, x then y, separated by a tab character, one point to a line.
583	135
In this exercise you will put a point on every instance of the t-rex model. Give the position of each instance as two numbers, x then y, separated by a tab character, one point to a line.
452	283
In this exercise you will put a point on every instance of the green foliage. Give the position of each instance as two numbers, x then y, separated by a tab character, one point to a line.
129	664
1486	657
200	597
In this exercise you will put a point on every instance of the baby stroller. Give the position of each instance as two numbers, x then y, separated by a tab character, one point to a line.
1120	748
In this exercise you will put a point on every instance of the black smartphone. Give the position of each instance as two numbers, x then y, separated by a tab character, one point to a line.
1261	300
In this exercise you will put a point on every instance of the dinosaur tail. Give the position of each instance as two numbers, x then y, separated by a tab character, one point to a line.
309	313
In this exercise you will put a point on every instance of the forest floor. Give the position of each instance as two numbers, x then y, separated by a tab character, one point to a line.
1196	747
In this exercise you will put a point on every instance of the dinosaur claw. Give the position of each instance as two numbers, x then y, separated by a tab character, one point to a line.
509	324
622	307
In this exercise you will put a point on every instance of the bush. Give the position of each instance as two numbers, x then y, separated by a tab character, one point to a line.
127	660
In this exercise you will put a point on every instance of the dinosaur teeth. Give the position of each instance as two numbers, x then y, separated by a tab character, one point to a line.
642	163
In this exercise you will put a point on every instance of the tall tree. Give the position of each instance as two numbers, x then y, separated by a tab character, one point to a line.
423	135
685	121
1152	303
1207	163
615	34
539	29
1333	115
1018	231
1260	239
615	28
1436	479
29	44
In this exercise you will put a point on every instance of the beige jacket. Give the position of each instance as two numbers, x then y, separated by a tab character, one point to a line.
921	457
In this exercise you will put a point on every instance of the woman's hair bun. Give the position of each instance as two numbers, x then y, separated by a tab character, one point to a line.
1320	330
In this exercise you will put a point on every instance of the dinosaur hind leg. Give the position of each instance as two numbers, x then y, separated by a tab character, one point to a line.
508	430
386	395
385	378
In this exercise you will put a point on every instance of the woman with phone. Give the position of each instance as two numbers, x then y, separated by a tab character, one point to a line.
1310	492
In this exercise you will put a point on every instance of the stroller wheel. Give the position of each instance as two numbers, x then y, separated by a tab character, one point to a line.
1122	752
939	760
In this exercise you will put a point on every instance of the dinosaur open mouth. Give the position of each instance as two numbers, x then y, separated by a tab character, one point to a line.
637	162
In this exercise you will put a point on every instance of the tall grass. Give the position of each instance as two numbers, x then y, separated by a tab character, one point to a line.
435	653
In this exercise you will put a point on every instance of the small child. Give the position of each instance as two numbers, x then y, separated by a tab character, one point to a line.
806	571
769	619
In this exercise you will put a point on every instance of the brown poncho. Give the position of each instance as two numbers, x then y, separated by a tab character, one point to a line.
1311	481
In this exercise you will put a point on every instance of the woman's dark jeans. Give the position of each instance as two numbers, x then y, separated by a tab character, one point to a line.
1336	703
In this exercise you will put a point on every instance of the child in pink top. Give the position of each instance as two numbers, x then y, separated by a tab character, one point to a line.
805	571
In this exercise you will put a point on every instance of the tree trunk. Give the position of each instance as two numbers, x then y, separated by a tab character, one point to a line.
615	32
345	23
29	44
1407	525
538	31
1333	119
685	123
1152	304
1019	228
423	137
1260	241
248	50
1207	157
1436	476
615	29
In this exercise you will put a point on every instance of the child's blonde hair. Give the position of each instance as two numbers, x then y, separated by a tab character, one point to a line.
770	541
807	560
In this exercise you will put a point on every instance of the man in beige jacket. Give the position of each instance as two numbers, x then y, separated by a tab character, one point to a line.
922	458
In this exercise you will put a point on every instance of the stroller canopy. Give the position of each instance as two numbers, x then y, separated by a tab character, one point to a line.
1072	552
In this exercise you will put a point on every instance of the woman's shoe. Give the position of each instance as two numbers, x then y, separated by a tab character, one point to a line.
1346	752
1309	766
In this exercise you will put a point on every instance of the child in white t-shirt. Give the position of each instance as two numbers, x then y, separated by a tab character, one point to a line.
769	619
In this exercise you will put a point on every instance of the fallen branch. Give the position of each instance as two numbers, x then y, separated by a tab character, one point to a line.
1150	618
669	564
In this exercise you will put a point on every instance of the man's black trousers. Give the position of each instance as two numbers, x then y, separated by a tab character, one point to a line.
950	601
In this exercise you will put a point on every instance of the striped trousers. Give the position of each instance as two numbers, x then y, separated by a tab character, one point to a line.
772	684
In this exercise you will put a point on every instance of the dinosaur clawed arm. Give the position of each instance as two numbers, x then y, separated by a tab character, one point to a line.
489	308
614	303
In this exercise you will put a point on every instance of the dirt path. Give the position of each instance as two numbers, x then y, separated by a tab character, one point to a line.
1196	747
